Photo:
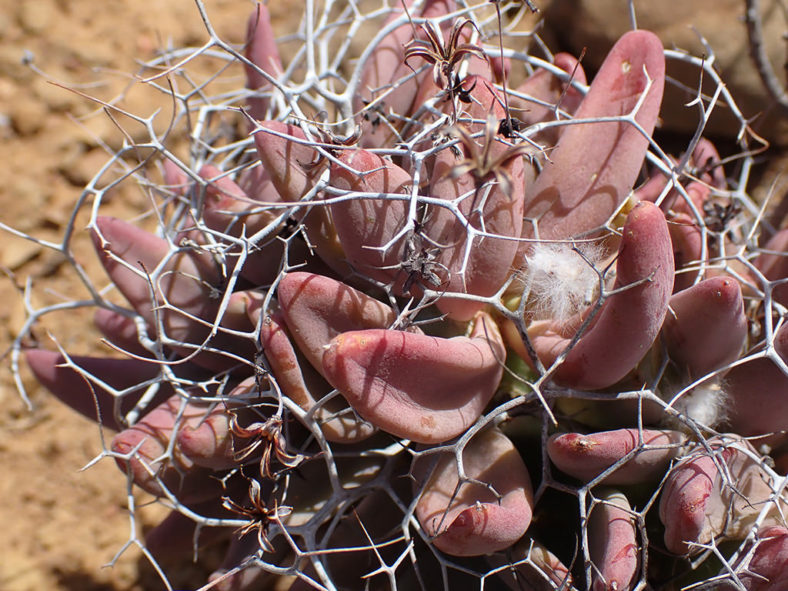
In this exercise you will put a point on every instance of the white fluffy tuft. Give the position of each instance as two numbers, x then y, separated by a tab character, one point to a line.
706	404
560	281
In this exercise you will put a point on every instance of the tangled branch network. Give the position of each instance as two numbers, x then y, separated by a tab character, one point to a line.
425	309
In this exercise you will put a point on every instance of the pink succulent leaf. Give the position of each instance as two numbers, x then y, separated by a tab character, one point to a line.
120	330
427	389
586	456
186	277
287	158
758	391
542	90
301	383
698	503
227	206
128	377
385	66
578	190
687	241
629	320
175	180
256	182
182	290
768	567
209	442
693	204
487	183
294	167
651	188
613	542
262	51
365	226
146	444
774	265
475	520
706	328
317	309
387	84
534	568
228	209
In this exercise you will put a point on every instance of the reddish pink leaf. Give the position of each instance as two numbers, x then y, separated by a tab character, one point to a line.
388	81
299	382
209	442
774	264
66	384
364	225
423	388
586	456
706	326
544	88
317	309
497	212
474	521
262	51
628	321
768	568
150	465
182	290
759	393
579	189
696	500
613	542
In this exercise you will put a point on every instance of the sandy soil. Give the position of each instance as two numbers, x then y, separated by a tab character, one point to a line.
59	526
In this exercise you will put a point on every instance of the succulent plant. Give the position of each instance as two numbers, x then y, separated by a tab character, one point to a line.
437	313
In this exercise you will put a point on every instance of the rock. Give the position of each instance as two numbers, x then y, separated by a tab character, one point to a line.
597	24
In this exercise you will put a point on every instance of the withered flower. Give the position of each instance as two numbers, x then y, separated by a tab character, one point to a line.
259	514
481	161
269	435
444	57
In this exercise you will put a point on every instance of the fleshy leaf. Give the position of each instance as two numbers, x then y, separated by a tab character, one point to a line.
487	182
262	51
697	498
579	189
542	89
427	389
306	388
124	375
706	326
759	393
183	288
388	82
768	567
210	441
149	466
586	456
628	321
774	264
366	225
475	521
317	309
613	542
